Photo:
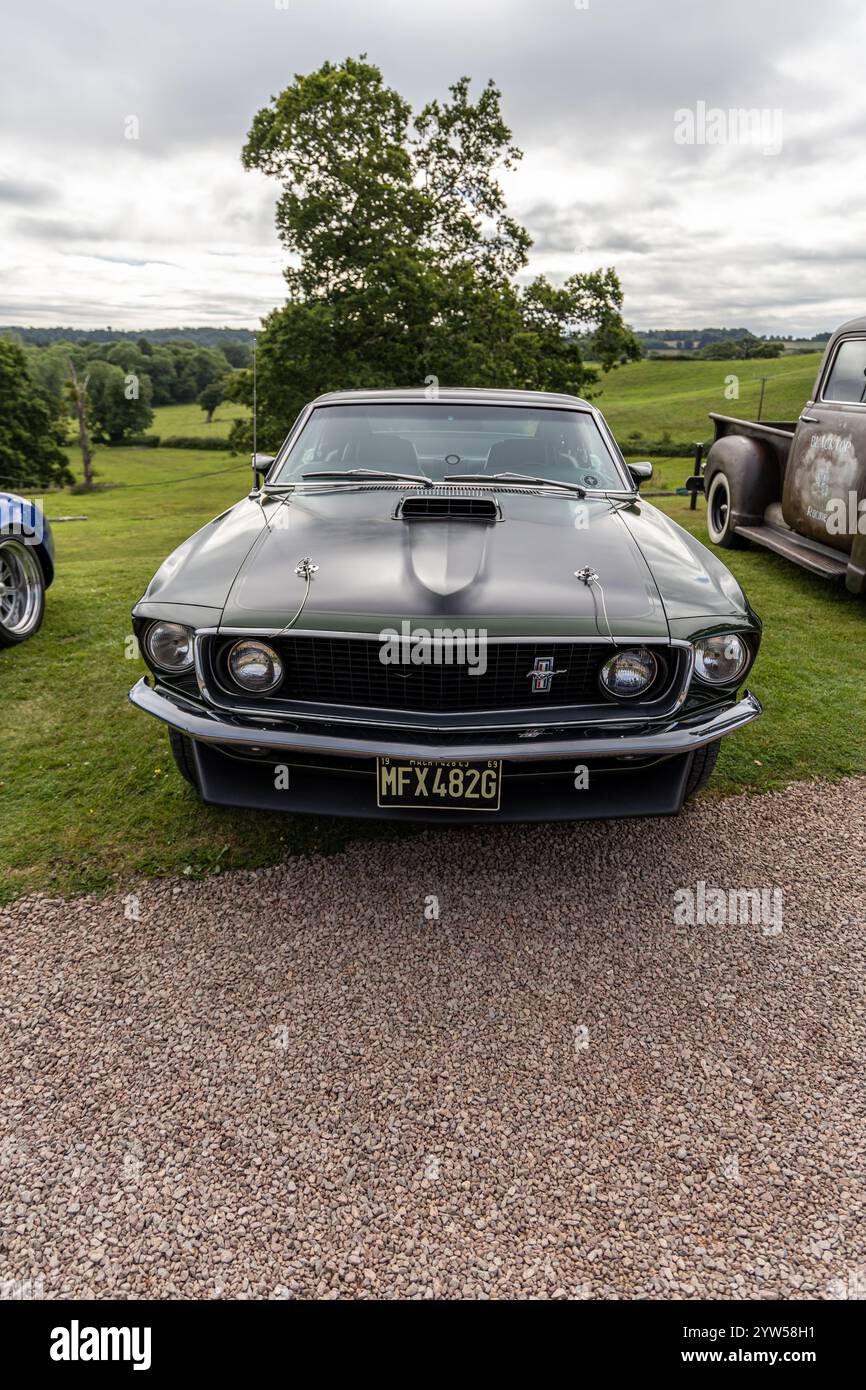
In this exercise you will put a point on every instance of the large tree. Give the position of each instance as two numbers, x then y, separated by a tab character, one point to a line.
118	402
30	452
403	256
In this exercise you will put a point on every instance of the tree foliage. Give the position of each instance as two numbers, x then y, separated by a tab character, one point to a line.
30	453
212	396
171	373
741	348
118	402
403	255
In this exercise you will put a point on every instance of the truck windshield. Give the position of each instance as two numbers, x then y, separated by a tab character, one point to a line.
434	440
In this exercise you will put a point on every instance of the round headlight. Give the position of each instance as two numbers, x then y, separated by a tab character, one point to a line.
169	645
721	659
255	666
629	673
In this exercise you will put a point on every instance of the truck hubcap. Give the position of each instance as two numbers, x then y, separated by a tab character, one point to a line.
720	506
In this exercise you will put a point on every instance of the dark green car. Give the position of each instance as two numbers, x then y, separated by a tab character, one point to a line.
452	608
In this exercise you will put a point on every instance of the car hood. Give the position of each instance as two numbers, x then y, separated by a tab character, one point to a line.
514	576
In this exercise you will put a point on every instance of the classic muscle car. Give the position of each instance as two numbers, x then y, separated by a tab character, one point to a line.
26	567
798	488
455	609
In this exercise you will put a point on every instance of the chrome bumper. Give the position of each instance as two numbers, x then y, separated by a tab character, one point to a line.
676	736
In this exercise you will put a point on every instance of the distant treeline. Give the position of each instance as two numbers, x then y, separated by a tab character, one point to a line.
201	337
694	339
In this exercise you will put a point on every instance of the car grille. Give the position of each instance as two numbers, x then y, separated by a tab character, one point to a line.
348	671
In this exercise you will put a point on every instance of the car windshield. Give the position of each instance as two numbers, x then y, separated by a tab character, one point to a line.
434	441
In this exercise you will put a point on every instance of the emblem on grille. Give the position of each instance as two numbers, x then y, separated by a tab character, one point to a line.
542	674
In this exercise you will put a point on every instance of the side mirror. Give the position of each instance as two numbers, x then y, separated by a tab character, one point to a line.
260	464
640	472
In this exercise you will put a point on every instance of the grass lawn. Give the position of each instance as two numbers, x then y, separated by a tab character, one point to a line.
191	420
89	796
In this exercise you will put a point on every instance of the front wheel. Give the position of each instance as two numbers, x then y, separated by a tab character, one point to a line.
22	591
703	762
181	751
719	513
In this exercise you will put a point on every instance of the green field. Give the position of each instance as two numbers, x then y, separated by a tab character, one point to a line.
89	796
190	420
650	397
658	395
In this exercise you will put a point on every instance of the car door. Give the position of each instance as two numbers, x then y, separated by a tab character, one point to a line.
827	463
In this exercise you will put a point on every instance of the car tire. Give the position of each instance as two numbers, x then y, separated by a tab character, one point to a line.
22	591
181	751
703	762
720	506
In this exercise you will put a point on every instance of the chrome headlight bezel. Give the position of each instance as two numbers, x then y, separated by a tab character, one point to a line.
251	646
738	651
647	656
182	634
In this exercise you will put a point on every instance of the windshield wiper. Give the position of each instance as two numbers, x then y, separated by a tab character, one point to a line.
370	473
512	477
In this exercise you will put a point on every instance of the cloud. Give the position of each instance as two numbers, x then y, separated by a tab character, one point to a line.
60	229
118	260
24	193
172	228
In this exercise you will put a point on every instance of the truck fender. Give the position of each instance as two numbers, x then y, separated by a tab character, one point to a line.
753	474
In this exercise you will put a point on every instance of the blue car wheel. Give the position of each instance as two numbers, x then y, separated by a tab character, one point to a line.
22	591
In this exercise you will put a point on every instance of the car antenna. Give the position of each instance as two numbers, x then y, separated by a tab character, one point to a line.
255	401
259	477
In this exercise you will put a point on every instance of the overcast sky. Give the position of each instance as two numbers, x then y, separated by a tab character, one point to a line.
168	229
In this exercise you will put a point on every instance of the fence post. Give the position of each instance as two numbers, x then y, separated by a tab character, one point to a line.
699	453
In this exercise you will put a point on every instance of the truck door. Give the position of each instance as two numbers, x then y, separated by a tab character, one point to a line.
827	463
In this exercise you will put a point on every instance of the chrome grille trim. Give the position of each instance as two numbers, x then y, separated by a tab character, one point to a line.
601	713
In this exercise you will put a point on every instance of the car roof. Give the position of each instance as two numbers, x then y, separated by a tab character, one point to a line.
852	326
453	395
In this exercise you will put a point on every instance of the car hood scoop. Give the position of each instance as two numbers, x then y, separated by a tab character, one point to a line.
453	507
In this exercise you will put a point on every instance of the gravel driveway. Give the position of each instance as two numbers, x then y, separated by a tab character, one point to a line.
306	1082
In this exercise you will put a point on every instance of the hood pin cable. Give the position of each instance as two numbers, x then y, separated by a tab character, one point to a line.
304	569
589	577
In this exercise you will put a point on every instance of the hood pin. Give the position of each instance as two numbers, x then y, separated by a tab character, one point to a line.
589	577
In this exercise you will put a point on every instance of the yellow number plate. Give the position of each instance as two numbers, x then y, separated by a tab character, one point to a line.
465	785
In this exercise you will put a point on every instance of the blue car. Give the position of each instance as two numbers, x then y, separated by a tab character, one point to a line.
26	567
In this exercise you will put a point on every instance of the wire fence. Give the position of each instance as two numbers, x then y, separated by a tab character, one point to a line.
164	482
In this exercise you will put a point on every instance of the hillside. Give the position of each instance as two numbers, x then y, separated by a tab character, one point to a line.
657	395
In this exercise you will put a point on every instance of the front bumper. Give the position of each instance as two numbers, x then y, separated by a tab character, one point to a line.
638	770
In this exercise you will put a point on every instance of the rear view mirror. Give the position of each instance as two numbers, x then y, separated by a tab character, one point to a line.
260	465
640	472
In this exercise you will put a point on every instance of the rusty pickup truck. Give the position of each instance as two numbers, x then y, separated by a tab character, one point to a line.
799	489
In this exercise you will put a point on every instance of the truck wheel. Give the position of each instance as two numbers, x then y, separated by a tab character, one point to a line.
719	509
703	762
181	751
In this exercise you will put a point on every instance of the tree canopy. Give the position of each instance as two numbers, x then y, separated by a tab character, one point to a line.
403	256
746	347
30	453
